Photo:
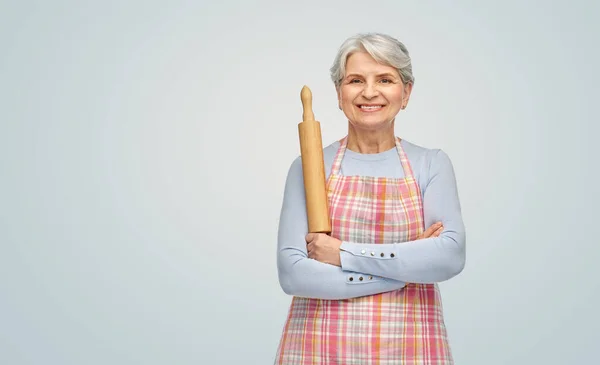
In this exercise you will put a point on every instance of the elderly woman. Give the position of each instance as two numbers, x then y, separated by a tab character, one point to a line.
368	292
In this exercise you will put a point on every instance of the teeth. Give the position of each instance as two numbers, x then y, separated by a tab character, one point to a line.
370	107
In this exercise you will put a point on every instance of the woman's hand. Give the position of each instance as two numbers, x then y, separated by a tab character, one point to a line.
433	231
324	248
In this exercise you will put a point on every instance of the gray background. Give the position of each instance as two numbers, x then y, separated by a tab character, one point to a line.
144	147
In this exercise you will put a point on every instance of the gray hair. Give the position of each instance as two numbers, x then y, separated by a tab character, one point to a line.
383	48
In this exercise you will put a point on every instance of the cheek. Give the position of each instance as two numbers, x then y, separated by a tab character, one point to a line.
347	103
397	96
347	96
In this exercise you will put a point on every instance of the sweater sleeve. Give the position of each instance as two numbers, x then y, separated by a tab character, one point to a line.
427	260
302	276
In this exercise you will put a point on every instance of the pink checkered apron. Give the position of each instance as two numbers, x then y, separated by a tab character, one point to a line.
400	327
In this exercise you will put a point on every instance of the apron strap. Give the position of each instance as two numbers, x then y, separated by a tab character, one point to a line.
337	161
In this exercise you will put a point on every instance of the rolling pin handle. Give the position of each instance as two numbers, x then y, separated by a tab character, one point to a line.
306	97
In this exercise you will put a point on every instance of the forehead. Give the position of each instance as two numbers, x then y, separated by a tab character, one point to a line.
363	63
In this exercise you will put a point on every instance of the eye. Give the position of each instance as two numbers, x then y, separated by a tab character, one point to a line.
354	81
386	81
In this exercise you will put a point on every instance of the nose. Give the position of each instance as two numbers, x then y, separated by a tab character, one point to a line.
370	90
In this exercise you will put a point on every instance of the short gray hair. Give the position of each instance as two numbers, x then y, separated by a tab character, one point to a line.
382	47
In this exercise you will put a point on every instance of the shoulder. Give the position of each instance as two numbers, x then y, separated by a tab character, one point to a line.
329	152
428	164
425	157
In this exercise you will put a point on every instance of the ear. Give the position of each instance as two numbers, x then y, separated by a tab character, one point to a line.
407	91
339	97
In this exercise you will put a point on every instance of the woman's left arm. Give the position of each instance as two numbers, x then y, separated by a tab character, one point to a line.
426	260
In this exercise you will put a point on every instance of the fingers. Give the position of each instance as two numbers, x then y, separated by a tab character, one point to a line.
433	230
311	237
434	227
311	244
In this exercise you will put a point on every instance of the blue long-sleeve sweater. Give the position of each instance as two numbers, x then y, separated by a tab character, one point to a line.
428	260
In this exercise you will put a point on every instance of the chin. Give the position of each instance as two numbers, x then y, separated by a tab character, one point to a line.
371	125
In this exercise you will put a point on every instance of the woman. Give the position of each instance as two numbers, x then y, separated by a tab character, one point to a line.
368	293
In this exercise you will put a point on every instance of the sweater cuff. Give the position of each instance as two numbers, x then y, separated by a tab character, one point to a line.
361	256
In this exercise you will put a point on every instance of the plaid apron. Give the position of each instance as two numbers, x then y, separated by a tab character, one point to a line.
404	326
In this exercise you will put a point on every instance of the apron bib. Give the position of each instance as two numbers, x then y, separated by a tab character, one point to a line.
400	327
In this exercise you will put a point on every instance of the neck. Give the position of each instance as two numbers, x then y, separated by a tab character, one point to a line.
371	141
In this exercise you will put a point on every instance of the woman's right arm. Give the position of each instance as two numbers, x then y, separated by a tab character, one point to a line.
304	277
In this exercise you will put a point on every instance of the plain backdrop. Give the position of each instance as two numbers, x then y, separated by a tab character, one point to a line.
144	147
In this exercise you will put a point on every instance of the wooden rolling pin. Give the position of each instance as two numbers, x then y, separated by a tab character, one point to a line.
313	168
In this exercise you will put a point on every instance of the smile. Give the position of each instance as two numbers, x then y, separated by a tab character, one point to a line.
370	108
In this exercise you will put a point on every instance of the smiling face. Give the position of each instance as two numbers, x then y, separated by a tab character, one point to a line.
371	94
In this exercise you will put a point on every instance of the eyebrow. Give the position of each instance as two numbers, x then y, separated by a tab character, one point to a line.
378	75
